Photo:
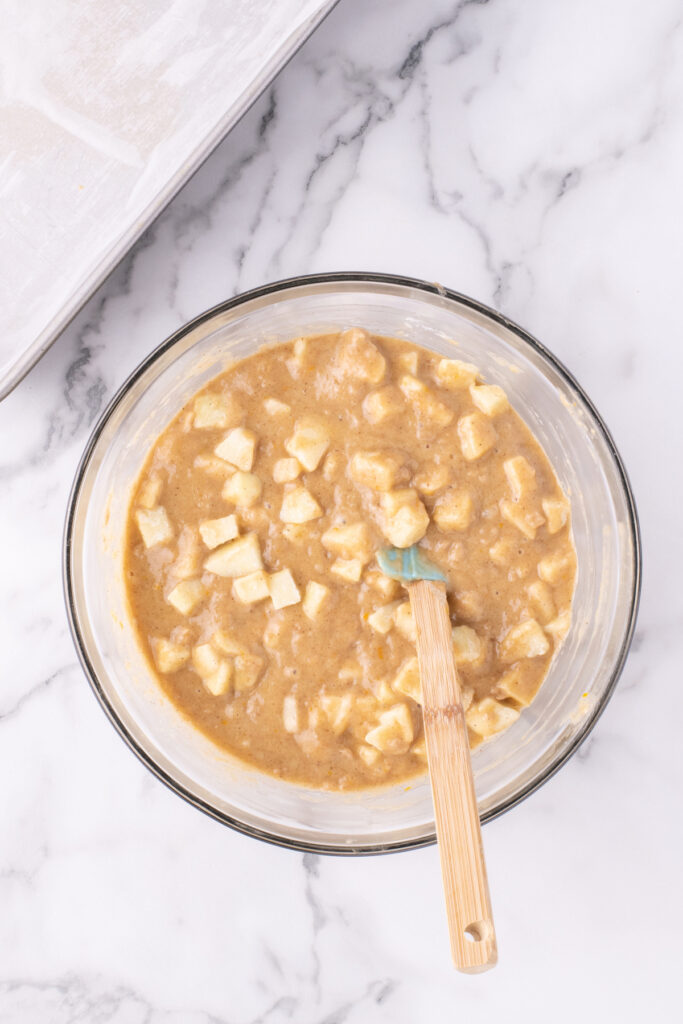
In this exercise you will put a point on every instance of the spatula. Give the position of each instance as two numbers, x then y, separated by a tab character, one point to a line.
468	904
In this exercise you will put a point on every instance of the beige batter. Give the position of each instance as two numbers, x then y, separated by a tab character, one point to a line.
250	555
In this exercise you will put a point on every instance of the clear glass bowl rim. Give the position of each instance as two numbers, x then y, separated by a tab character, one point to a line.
288	284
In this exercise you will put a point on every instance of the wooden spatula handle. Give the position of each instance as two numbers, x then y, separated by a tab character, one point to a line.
468	904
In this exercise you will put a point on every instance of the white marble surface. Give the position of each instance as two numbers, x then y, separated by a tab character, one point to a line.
526	153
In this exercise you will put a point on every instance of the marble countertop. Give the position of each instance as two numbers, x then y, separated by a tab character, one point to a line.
528	154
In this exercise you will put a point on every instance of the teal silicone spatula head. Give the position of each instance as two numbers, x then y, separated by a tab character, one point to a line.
408	565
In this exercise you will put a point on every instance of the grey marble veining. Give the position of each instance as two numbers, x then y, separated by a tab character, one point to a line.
527	154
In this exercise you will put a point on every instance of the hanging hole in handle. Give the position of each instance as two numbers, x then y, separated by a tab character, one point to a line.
478	931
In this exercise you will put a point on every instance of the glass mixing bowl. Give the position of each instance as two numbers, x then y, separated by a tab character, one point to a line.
583	674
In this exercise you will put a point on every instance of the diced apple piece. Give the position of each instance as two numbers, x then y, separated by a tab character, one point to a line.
169	656
242	489
556	512
358	357
407	681
425	401
454	373
315	596
468	648
489	716
290	714
454	510
419	749
368	755
555	568
394	734
383	584
521	476
286	470
405	519
517	685
431	478
154	526
205	660
477	435
526	520
382	404
283	589
349	569
186	595
542	601
337	709
150	492
227	644
248	669
382	619
218	531
384	693
405	623
212	464
237	558
186	564
333	465
489	399
309	441
408	362
559	627
252	588
299	506
238	448
296	533
352	540
216	412
526	640
501	553
378	470
274	407
218	682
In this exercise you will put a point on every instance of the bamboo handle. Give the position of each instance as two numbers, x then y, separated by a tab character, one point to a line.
468	904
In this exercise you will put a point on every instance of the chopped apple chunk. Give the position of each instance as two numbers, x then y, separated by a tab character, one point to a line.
296	533
169	656
405	518
218	531
382	619
348	569
405	623
489	399
290	714
186	595
526	520
286	470
252	588
477	435
213	465
454	510
556	512
358	357
150	492
554	568
186	564
378	470
489	716
394	734
517	685
454	373
309	441
559	626
299	506
337	709
227	644
432	478
468	647
407	681
283	589
369	755
383	584
425	402
408	361
237	558
351	540
238	448
315	596
215	672
216	412
526	640
242	489
154	525
247	671
274	407
501	553
382	404
541	599
521	476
